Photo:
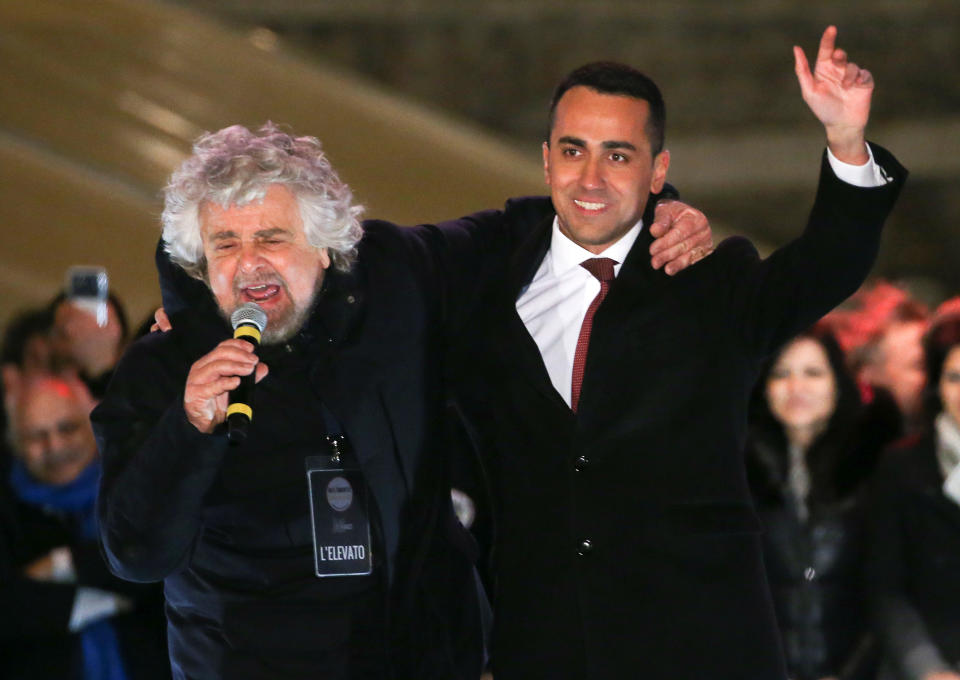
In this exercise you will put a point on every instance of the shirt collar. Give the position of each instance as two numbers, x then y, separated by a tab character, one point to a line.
566	255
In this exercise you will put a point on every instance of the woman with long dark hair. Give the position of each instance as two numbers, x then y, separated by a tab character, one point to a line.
914	566
807	458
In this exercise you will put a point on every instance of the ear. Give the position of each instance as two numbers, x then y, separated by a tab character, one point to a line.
661	163
10	375
546	162
324	258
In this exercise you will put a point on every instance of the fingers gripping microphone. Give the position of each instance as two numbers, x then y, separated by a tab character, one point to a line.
249	321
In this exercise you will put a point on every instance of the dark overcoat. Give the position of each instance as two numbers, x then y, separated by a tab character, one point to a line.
626	545
228	528
914	558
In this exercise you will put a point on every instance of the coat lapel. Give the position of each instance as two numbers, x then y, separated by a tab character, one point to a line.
515	344
635	299
346	383
637	283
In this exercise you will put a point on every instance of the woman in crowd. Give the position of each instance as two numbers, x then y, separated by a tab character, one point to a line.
914	567
807	457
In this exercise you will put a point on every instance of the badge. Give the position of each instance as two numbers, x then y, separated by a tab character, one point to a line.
339	513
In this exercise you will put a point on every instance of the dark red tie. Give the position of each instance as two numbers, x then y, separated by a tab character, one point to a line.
602	268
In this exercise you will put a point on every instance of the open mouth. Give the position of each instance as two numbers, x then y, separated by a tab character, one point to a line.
261	292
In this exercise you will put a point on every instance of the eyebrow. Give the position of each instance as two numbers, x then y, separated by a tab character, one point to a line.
619	145
261	233
615	144
267	233
567	139
221	235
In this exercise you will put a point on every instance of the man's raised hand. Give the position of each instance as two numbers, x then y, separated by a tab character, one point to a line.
838	92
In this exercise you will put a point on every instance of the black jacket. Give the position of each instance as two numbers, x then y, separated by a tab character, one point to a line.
814	566
626	543
228	528
914	560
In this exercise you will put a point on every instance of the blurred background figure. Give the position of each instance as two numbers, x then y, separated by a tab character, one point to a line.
63	614
914	565
808	455
25	352
79	343
883	335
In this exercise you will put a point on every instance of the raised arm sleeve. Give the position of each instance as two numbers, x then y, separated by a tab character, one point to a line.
774	299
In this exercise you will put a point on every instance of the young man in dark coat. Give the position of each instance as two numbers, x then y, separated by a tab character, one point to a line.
610	401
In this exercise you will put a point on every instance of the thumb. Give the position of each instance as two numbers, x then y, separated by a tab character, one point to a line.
662	218
802	68
261	371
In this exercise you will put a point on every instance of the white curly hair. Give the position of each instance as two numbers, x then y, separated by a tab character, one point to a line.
235	166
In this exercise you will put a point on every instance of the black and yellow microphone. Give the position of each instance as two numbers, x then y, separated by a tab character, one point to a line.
249	321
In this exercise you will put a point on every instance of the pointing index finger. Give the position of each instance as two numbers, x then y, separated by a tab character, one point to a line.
827	43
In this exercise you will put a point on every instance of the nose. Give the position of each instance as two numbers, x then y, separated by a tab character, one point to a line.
54	441
249	256
796	384
591	177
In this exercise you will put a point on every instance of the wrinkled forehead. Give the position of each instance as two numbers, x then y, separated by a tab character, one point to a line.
276	209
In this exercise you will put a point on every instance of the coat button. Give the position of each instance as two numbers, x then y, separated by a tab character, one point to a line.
585	547
581	463
809	573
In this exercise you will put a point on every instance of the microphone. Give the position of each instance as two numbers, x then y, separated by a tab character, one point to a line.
248	321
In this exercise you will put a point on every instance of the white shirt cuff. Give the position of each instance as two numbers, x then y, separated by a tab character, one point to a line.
867	175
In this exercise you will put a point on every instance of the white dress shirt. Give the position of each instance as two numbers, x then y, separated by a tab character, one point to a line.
553	305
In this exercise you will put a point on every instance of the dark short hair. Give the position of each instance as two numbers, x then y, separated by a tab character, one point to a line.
610	77
21	328
942	337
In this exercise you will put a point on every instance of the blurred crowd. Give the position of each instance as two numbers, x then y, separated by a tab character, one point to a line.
62	614
853	460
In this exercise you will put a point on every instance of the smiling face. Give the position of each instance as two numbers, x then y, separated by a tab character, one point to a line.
260	253
55	440
801	388
599	166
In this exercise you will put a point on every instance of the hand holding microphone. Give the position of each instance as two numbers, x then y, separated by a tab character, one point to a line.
213	376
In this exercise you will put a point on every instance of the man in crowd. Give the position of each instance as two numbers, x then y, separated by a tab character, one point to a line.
64	615
265	576
891	356
609	401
